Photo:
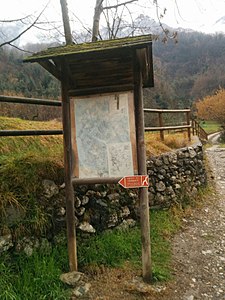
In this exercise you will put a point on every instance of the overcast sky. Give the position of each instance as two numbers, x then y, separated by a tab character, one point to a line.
194	14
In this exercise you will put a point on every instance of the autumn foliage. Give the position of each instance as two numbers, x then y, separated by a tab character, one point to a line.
212	108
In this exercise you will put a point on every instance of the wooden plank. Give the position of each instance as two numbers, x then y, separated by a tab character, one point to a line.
143	193
29	132
100	90
75	159
167	128
23	100
97	81
133	131
149	81
166	110
95	180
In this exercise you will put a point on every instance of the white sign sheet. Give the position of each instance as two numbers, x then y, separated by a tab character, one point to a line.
103	136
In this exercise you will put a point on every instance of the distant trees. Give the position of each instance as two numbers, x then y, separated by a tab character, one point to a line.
194	66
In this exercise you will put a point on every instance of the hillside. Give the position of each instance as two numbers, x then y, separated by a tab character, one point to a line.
192	68
184	71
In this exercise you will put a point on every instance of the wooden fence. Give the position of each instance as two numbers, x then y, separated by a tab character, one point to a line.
161	128
198	130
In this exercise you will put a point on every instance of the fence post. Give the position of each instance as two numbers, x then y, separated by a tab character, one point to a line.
161	125
198	130
188	123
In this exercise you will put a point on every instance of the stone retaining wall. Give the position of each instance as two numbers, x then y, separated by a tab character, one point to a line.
173	177
176	176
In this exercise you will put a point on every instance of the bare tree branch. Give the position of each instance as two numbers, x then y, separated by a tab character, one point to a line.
119	19
20	49
165	30
15	20
119	4
24	31
82	24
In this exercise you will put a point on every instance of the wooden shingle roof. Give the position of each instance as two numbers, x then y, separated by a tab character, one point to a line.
99	64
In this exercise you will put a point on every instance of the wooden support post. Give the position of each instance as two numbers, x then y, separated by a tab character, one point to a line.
188	123
70	217
161	125
143	192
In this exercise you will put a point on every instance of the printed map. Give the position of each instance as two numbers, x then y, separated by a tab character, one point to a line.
103	136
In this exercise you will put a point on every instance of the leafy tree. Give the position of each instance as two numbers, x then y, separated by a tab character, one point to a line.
212	107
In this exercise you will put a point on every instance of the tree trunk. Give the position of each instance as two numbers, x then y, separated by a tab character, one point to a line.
66	22
97	14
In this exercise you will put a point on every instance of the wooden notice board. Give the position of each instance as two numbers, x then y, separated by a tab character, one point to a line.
103	136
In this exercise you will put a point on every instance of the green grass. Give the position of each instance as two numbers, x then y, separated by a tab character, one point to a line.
164	224
37	277
113	248
210	126
110	248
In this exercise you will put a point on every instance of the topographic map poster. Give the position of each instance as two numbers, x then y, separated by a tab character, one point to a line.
103	136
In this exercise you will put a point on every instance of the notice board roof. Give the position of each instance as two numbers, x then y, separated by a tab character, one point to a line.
102	65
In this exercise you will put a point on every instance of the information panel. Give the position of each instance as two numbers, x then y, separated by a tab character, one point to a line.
103	136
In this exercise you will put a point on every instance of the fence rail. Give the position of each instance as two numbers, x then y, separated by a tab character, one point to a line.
29	132
161	128
23	100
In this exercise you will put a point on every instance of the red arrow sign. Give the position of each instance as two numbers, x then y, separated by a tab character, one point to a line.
135	181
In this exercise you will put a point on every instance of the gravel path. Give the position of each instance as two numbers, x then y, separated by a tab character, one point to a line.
199	250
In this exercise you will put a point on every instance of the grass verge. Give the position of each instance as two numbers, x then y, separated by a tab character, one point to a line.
154	145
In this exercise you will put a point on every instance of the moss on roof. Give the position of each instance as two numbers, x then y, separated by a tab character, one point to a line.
90	47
